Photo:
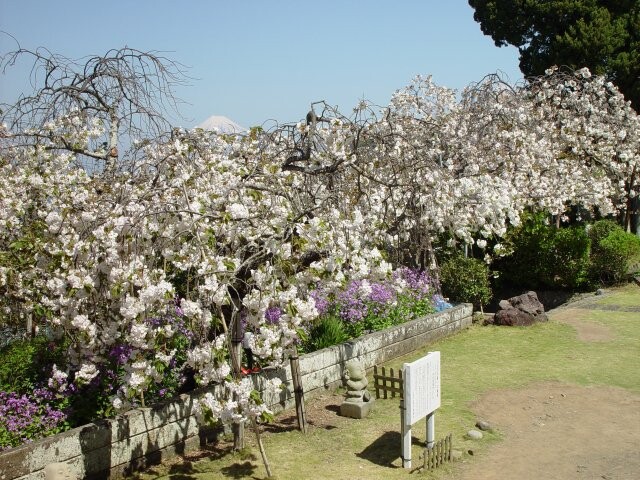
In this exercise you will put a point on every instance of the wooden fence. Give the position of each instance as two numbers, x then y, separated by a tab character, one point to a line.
439	454
386	384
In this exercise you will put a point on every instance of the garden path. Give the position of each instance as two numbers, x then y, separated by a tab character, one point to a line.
560	431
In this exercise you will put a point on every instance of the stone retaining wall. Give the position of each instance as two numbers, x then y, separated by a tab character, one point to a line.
142	437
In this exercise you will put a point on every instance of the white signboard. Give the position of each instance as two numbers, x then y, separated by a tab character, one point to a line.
421	387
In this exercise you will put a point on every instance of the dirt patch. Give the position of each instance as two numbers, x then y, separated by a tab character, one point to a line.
586	331
559	431
320	412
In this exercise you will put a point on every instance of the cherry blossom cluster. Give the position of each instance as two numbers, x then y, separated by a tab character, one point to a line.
465	165
236	227
213	221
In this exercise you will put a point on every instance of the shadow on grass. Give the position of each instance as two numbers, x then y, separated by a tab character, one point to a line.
184	470
287	424
326	427
386	449
181	476
239	470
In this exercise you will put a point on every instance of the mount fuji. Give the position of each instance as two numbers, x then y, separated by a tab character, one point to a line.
221	124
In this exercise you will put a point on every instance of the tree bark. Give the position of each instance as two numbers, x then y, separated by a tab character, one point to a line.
263	453
236	365
299	393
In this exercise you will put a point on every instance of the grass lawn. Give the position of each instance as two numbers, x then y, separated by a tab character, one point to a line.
626	296
475	361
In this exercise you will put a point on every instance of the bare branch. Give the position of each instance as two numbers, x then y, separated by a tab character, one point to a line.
126	92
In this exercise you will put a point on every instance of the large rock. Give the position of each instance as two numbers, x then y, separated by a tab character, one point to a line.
522	310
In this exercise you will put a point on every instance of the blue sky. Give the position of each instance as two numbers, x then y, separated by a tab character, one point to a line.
254	60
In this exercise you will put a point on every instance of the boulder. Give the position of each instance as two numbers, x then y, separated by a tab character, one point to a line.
474	435
521	310
504	305
484	426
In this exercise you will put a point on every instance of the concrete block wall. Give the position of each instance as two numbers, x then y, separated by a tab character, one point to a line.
143	437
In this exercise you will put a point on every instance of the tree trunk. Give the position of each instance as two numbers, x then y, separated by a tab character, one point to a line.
236	365
263	453
31	326
112	153
299	393
632	215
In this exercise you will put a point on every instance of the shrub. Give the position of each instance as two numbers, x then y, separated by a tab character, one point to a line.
541	255
26	364
28	408
524	244
599	230
466	280
613	254
95	398
565	262
409	308
26	368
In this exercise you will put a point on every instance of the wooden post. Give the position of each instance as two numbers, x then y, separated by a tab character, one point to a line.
385	374
376	380
298	392
439	454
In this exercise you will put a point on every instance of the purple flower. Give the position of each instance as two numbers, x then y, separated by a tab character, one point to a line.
381	293
178	308
43	394
418	281
351	304
173	317
24	418
154	322
121	353
52	418
272	315
322	301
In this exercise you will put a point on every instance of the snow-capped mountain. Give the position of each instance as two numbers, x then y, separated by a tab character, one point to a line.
221	124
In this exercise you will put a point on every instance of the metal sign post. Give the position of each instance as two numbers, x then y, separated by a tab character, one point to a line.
421	399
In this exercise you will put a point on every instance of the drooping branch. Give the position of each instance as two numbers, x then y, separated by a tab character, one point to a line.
97	106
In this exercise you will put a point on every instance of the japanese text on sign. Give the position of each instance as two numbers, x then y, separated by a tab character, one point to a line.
421	387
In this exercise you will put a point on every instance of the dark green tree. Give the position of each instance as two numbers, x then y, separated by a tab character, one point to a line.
603	35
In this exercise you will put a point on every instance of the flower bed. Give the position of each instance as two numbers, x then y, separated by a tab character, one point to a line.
45	397
146	436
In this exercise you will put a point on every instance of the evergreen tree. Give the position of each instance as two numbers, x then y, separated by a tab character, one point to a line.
603	35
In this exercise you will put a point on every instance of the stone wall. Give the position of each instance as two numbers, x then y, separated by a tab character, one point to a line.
146	436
